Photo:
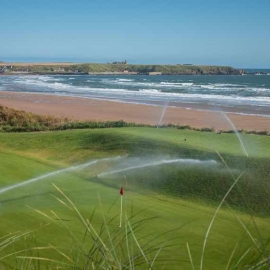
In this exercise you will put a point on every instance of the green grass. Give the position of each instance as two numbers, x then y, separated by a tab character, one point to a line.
97	68
88	142
163	193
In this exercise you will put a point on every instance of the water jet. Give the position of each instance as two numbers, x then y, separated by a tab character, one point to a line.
236	133
161	162
73	168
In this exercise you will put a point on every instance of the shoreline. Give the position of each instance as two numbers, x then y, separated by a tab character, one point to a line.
87	109
245	111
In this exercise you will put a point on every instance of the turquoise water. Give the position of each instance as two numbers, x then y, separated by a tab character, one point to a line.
249	94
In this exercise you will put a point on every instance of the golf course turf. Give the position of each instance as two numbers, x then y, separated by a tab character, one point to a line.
167	208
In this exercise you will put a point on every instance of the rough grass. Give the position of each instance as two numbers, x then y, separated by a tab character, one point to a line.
15	120
12	120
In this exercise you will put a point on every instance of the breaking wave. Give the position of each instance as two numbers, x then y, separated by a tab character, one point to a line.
217	90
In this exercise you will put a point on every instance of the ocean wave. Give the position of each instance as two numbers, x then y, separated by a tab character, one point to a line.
219	86
124	80
175	84
225	93
42	78
149	91
47	83
157	93
37	80
259	89
126	83
149	84
47	78
190	86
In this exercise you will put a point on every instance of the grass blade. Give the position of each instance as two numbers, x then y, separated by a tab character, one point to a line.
190	258
214	217
230	259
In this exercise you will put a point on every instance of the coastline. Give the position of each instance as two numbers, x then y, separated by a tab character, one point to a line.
84	109
118	68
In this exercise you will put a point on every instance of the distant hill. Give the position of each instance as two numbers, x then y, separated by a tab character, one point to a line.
94	68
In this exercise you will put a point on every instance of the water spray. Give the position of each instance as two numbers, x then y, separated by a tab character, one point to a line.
237	133
163	113
161	162
73	168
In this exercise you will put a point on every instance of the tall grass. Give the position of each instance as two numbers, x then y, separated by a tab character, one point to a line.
12	120
8	248
107	247
111	247
262	259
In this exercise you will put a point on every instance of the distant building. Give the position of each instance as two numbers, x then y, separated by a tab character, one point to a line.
119	63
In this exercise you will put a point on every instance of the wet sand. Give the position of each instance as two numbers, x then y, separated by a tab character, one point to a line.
102	110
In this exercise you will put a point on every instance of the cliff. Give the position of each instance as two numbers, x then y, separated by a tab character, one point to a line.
93	68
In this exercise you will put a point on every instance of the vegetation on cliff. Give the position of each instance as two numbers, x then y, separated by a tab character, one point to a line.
127	68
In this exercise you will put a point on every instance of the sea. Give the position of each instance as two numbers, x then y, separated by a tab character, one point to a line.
246	94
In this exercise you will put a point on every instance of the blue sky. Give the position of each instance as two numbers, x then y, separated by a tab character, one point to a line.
221	32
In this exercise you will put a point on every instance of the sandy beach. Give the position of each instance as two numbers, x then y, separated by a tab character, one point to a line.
102	110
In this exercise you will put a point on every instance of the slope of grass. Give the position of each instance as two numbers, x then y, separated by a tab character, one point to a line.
135	140
72	147
28	155
170	214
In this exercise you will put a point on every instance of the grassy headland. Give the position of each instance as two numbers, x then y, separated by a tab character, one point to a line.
95	68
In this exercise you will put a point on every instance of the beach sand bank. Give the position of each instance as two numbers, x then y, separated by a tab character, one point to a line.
102	110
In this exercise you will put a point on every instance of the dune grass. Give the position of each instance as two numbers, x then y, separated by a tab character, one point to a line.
180	219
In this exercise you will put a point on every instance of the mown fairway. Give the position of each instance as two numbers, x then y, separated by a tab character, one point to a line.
175	202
